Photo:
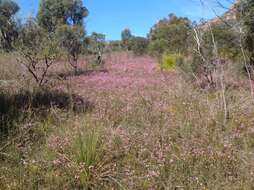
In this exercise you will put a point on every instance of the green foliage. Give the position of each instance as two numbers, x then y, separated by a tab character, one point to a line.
8	8
96	46
226	40
65	18
157	47
53	13
170	34
114	46
213	46
205	58
38	49
169	61
8	26
87	147
71	39
245	16
126	34
133	43
97	42
126	38
138	45
87	152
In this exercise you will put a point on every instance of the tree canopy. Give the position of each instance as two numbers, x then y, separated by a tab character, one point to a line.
53	13
8	25
170	34
96	43
71	40
246	15
126	38
126	34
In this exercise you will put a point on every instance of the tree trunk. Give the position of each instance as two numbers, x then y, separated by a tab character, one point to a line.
73	61
252	65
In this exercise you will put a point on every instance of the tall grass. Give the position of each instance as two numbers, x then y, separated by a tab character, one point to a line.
87	147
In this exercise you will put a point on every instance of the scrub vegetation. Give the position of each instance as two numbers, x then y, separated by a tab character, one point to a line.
174	110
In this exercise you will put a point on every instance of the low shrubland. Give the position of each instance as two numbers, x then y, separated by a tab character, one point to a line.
166	136
121	120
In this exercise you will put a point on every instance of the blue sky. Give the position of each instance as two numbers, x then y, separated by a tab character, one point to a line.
112	16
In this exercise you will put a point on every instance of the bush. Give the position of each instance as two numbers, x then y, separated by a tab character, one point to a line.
96	47
170	61
139	45
114	46
157	47
226	39
39	51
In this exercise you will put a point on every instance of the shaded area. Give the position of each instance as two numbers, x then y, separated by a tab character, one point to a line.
65	75
14	108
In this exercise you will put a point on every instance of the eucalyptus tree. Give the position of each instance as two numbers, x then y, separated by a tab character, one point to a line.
71	39
65	18
38	50
245	15
8	24
53	13
126	36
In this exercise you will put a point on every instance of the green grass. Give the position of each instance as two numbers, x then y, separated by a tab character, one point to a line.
87	147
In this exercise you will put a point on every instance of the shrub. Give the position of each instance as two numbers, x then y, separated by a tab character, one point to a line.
157	47
226	40
39	50
139	45
170	61
133	43
206	57
114	45
96	46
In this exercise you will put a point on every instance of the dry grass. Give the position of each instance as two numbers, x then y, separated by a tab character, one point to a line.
148	130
